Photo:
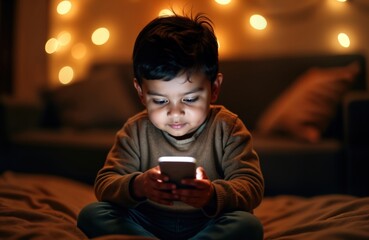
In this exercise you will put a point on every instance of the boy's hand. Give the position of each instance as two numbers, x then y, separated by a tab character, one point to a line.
200	195
152	185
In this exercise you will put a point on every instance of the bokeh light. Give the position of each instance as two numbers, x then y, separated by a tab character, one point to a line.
78	51
64	7
258	22
165	13
64	38
100	36
343	40
51	45
223	2
66	75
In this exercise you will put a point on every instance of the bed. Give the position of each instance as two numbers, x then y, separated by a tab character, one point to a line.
35	206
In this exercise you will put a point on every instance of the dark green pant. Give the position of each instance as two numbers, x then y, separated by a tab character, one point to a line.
102	218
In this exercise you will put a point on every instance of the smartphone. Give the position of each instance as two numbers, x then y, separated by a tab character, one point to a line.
178	168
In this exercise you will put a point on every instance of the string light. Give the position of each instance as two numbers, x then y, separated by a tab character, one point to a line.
64	7
78	51
64	38
343	40
51	45
66	75
66	41
166	13
100	36
223	2
258	22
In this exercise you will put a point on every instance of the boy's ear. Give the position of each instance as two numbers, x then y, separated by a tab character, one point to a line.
215	88
139	90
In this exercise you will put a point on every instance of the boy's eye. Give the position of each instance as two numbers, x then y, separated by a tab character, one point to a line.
190	100
160	101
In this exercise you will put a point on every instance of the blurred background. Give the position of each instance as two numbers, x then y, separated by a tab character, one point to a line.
66	86
50	43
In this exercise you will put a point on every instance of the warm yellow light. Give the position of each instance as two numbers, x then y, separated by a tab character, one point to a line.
341	0
344	40
166	13
78	51
223	46
64	7
223	2
64	38
51	45
258	22
66	75
100	36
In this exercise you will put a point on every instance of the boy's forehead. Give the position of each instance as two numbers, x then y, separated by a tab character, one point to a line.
177	84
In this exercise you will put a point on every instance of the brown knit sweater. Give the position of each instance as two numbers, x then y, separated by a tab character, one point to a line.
222	146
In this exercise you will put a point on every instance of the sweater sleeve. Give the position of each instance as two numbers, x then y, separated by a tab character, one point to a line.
122	165
242	187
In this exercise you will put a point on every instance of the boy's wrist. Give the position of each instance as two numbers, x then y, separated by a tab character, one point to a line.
211	206
136	189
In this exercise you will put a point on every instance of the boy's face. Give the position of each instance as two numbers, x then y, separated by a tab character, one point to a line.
179	106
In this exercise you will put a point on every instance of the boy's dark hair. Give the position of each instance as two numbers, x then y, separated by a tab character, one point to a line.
169	46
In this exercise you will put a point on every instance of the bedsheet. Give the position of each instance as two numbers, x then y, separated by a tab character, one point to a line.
45	207
328	217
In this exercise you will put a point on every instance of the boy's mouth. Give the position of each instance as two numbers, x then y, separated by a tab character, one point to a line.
176	125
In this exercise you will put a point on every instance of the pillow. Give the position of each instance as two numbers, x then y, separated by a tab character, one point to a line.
305	109
102	100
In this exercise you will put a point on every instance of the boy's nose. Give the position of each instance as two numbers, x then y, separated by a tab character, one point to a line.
175	110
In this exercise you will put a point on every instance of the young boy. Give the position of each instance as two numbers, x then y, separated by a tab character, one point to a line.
175	63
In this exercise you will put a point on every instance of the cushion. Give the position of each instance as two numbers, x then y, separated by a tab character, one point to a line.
305	109
103	99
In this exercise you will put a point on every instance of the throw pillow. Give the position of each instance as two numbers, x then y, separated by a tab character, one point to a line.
305	109
102	100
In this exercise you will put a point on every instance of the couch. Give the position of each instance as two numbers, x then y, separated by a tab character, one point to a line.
308	116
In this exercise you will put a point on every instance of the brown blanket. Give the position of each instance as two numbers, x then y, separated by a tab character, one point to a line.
323	217
40	207
46	207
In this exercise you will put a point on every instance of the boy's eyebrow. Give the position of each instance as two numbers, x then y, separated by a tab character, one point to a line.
199	89
149	92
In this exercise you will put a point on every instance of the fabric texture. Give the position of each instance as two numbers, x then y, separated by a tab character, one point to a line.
223	147
305	109
34	207
46	207
315	218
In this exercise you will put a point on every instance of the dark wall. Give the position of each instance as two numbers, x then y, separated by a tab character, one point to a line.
7	12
